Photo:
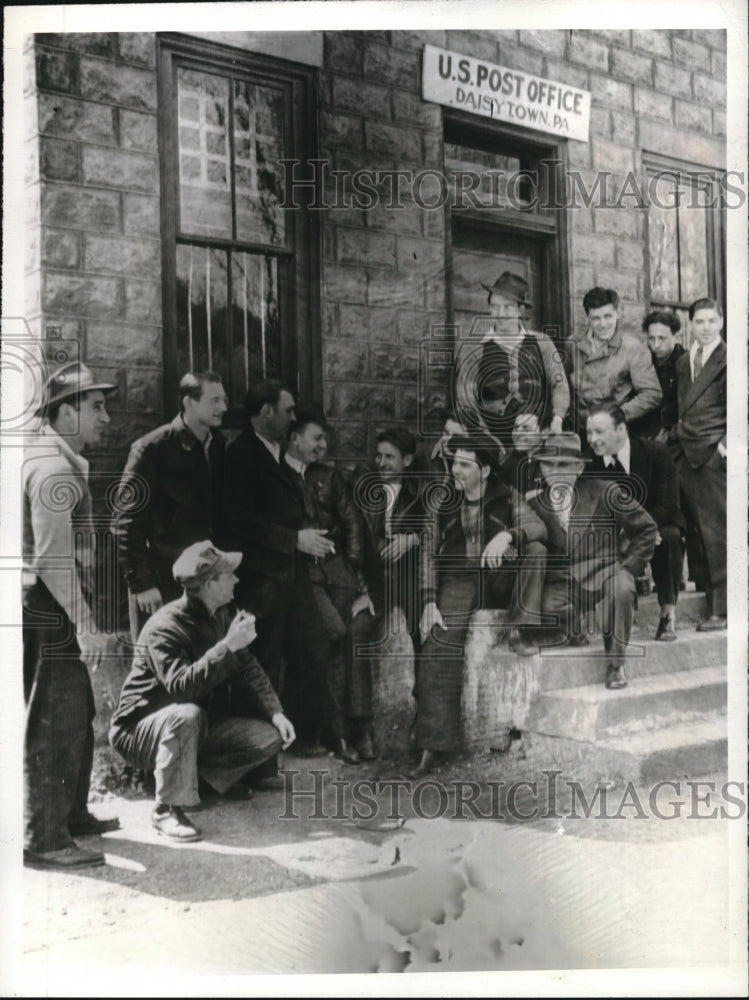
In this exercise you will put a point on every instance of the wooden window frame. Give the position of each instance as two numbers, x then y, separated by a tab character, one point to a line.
299	267
548	228
653	163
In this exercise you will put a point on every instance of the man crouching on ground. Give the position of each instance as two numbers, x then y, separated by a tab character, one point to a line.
188	705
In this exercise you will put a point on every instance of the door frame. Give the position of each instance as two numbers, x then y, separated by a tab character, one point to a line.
548	226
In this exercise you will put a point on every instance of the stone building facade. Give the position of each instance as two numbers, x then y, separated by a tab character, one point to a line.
356	300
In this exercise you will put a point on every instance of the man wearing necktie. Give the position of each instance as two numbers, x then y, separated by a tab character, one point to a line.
699	448
587	564
646	469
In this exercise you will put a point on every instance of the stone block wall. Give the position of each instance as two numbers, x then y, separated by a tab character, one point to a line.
93	268
93	234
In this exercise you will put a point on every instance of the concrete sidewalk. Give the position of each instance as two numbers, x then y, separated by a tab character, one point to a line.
266	895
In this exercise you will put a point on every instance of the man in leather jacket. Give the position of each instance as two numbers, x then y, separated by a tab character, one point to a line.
334	698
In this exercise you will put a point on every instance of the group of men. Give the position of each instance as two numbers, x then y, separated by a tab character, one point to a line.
262	578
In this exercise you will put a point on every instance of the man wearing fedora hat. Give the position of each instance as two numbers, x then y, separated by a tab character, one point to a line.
60	638
190	703
515	369
586	521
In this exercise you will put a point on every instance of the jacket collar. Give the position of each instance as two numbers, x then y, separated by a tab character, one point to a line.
185	436
584	344
78	462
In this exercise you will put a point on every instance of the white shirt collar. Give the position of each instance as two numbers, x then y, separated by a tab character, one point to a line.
706	351
624	455
273	446
295	464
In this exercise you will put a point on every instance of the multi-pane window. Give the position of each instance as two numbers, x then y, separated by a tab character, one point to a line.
684	237
237	267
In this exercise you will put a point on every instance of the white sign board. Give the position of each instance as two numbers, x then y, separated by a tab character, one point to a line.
507	95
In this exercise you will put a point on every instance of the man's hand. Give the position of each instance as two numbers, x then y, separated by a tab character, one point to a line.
658	538
93	646
149	600
285	729
430	617
312	542
362	603
722	450
241	632
398	546
497	548
556	425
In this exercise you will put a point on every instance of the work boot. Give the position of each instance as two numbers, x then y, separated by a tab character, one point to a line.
63	859
430	760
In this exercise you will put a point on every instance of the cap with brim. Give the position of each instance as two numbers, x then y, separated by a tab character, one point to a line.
510	285
563	447
71	380
201	561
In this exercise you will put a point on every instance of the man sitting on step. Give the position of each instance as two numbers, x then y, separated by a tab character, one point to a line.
483	549
647	469
599	541
191	701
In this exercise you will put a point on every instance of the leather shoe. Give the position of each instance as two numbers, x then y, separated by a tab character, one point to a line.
346	752
366	744
171	822
430	759
615	678
66	858
666	631
89	825
519	644
715	623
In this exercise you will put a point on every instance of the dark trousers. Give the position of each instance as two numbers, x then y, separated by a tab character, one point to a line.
439	666
565	600
59	739
181	742
667	563
704	494
272	603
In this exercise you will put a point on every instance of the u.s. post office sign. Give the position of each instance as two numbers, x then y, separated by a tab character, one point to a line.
507	95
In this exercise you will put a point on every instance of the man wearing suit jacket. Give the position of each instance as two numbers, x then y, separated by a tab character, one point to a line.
699	445
586	565
264	515
647	469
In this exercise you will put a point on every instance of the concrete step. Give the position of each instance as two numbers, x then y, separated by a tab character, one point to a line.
689	750
690	609
563	667
593	713
680	751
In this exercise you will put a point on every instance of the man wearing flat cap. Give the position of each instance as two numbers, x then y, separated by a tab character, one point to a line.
191	704
60	638
599	540
515	369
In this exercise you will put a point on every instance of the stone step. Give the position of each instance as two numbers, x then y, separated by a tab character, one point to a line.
690	609
689	750
564	667
593	713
